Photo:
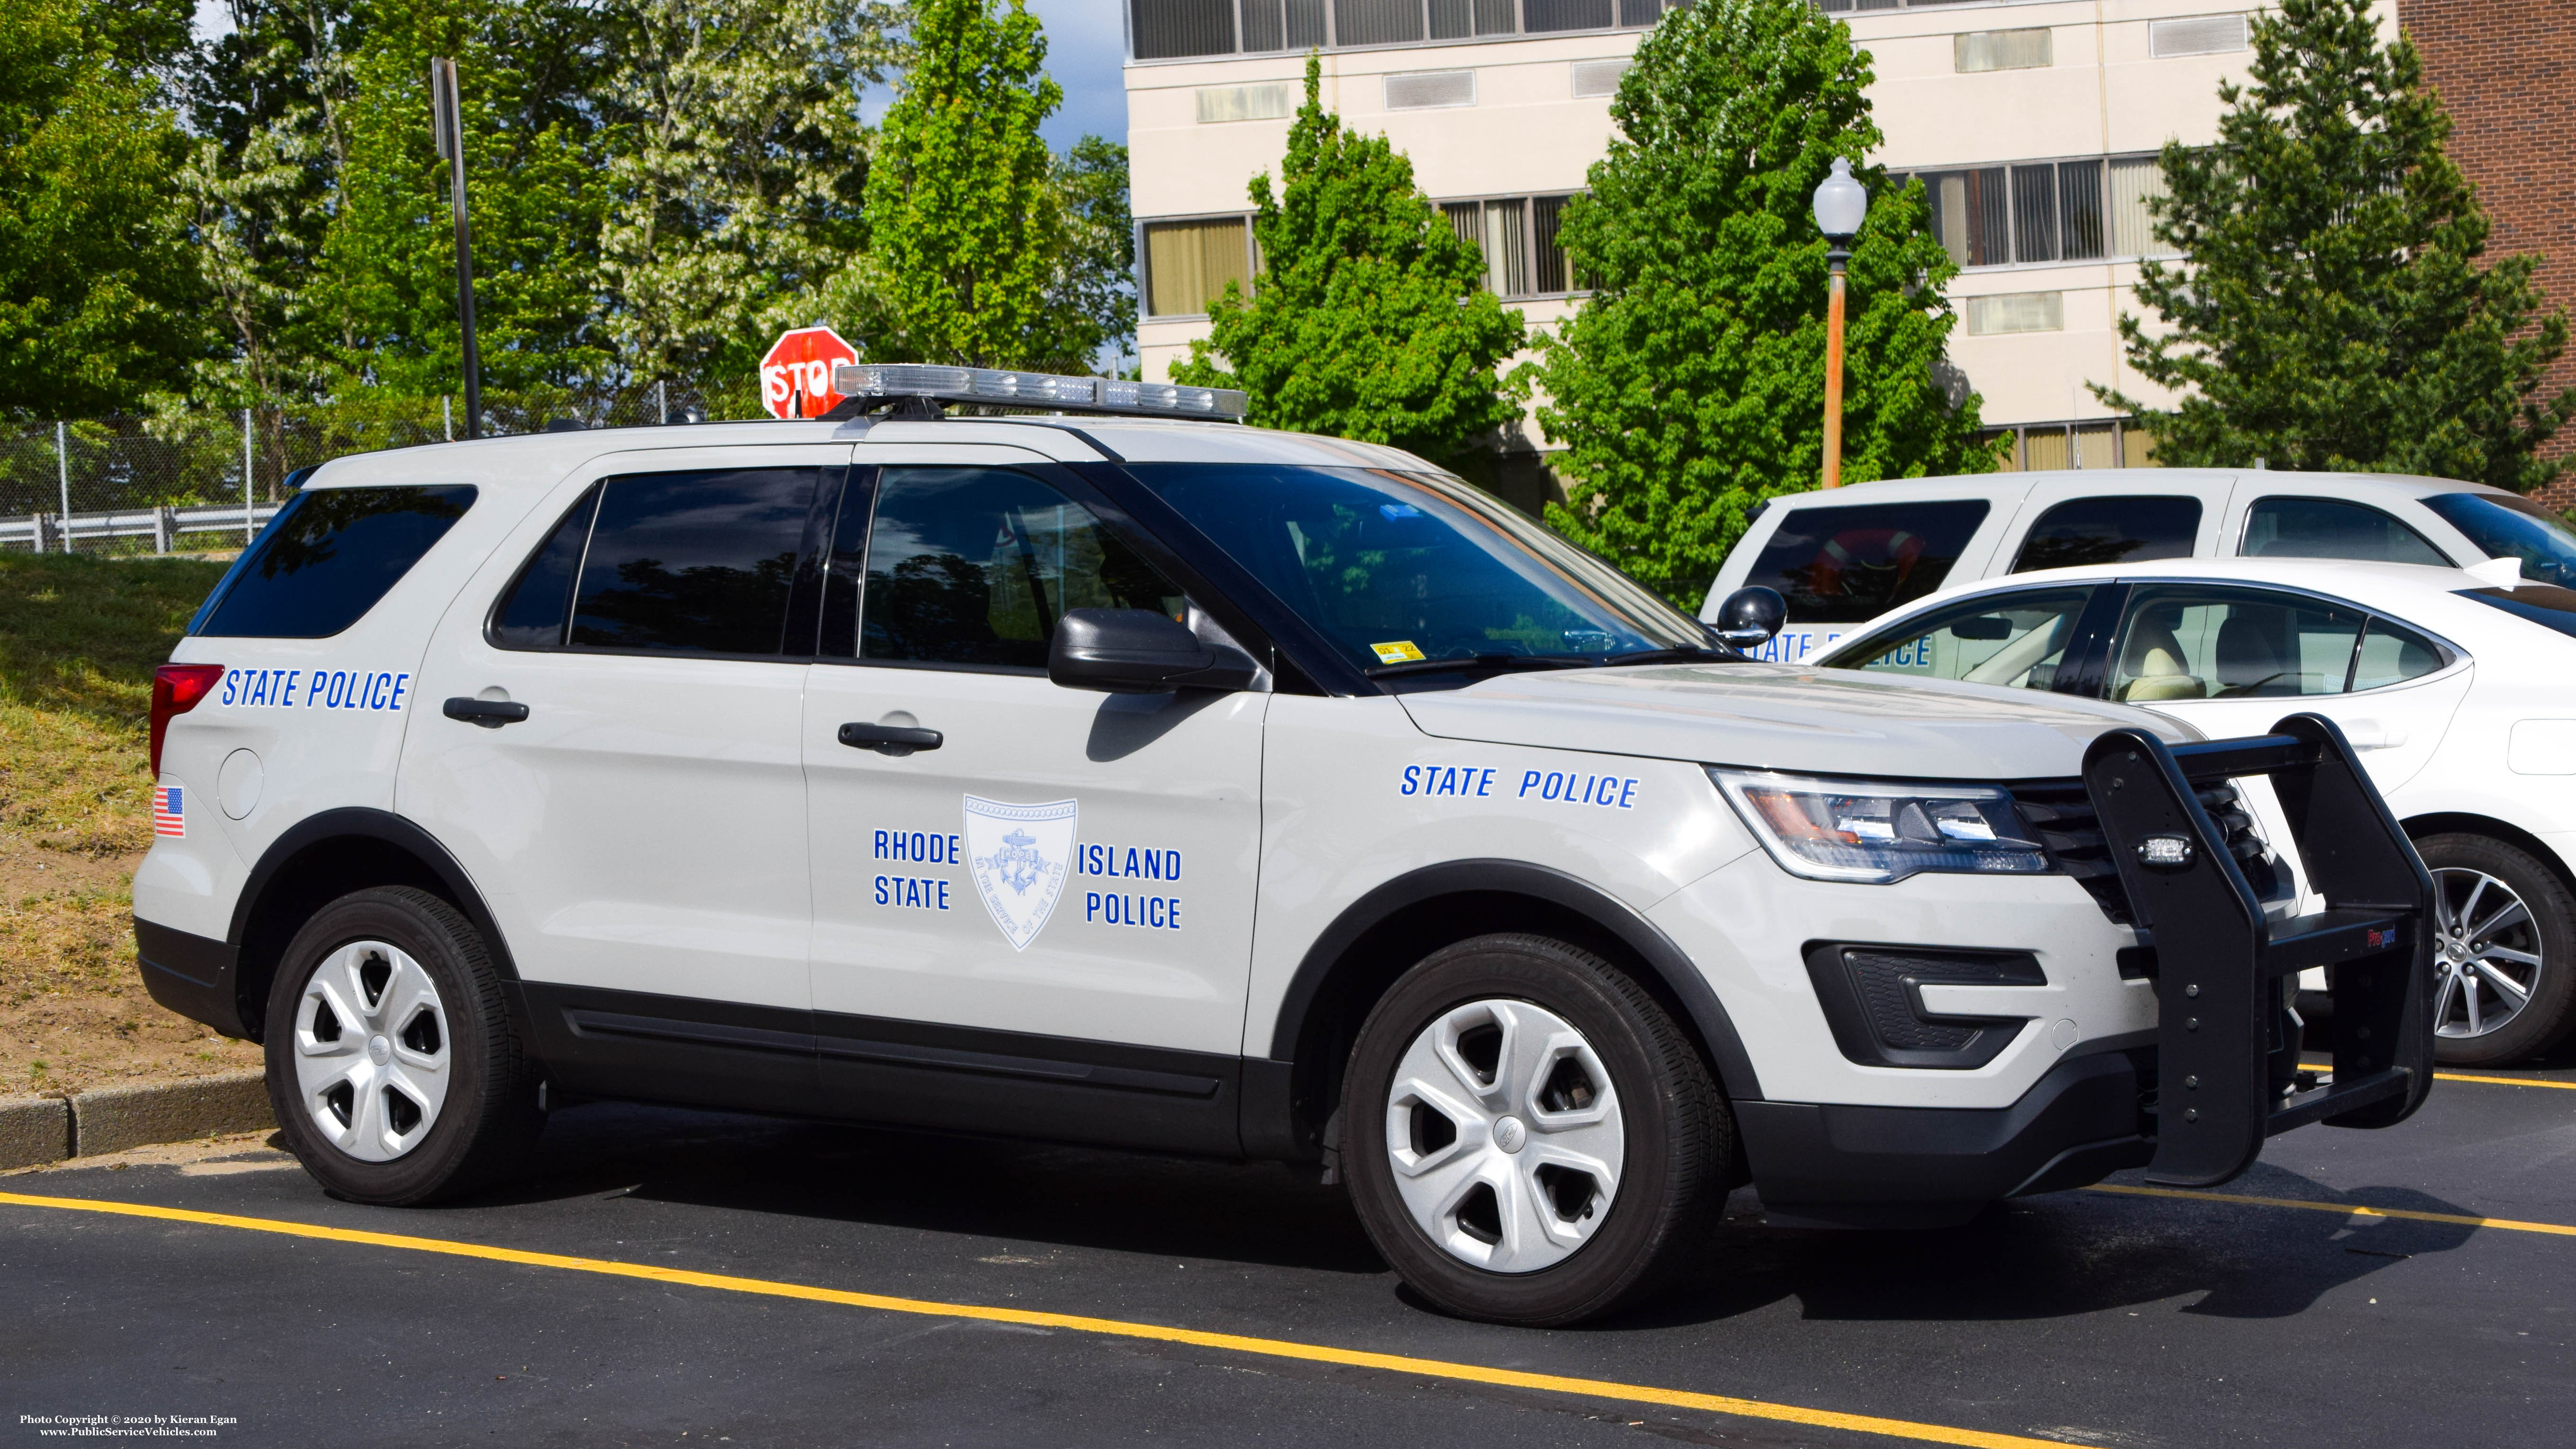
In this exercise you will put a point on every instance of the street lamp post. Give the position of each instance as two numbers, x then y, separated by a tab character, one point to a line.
1841	205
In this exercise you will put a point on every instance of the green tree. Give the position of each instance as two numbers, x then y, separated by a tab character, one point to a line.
382	307
1691	386
98	287
968	223
1098	279
2330	310
1369	319
739	172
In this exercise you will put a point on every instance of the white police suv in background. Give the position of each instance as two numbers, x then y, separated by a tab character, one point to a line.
928	771
1845	556
2458	687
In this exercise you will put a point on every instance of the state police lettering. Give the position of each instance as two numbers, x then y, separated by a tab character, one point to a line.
923	847
1447	780
1133	862
384	691
1565	787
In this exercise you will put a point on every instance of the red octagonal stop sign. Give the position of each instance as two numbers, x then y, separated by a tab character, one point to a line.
796	372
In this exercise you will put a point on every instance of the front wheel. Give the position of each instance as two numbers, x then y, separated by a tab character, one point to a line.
2503	944
1529	1137
392	1065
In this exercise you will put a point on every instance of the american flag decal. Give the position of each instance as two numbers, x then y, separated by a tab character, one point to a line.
166	817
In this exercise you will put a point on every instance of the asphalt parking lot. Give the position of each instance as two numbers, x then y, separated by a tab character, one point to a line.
686	1278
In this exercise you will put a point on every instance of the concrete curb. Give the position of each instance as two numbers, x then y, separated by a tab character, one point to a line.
34	1131
38	1130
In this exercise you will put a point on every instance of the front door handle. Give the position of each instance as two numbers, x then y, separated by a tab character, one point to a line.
491	714
893	740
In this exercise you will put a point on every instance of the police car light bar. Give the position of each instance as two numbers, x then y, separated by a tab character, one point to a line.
866	382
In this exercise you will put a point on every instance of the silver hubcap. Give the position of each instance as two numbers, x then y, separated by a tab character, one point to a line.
2486	953
371	1053
1505	1136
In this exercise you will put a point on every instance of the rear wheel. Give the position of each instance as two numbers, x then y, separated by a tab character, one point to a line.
1529	1137
392	1066
2504	941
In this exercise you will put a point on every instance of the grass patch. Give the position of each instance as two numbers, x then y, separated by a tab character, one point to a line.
78	641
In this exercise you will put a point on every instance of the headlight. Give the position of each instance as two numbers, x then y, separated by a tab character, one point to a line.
1878	831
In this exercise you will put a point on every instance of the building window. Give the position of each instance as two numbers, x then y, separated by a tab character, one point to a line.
1175	29
1188	263
1598	77
2088	210
1246	103
2101	443
2001	50
1430	90
1518	235
2199	35
2011	312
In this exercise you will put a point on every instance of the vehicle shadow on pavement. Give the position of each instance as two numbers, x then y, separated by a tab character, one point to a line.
1025	1192
2068	1254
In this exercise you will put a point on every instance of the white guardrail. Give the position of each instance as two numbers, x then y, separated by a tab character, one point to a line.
60	532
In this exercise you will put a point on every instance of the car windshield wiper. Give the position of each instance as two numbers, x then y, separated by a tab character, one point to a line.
1498	663
1682	655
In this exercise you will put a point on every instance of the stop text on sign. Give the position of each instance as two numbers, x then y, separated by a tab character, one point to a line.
796	372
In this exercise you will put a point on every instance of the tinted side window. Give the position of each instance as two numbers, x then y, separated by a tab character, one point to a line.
2391	653
2110	530
2329	528
698	562
976	565
2018	639
326	559
1843	565
2190	643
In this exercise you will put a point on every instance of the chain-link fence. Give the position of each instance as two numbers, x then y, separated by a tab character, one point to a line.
189	482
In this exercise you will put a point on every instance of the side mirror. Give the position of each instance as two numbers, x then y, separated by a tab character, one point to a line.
1749	617
1137	651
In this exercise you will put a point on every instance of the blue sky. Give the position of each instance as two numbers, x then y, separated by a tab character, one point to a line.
1085	47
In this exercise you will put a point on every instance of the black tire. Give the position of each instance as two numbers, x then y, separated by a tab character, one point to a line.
2545	1020
1678	1134
489	1117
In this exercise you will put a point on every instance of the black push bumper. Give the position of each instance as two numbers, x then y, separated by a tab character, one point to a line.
2221	1073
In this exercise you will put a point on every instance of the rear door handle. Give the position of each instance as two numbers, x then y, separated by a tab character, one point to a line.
491	714
894	740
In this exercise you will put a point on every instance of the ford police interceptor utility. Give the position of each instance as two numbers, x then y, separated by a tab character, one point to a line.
1130	776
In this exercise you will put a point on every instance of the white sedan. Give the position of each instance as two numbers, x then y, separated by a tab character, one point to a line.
2458	687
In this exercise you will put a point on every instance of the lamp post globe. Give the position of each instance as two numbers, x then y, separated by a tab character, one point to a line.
1841	206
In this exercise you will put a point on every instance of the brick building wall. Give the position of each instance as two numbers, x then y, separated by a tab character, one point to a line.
2507	71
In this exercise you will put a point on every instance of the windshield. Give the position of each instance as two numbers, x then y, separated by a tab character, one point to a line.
2509	527
1404	568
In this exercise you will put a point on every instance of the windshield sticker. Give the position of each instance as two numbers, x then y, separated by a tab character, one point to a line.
1400	651
1610	792
382	691
1018	855
1446	780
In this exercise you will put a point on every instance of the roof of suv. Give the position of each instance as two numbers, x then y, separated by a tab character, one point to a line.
2142	480
537	459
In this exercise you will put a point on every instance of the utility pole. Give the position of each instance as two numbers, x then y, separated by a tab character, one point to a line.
445	120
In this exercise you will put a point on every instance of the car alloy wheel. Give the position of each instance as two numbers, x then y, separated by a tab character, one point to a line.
1505	1136
2486	953
372	1051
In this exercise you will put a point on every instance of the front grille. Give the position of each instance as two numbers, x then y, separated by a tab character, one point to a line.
2061	816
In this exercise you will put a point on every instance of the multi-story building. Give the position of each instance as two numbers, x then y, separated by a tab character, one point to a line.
2033	123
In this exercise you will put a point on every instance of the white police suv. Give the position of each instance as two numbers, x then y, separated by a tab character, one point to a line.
1130	776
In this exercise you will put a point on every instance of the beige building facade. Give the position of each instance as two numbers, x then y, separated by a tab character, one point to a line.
2034	124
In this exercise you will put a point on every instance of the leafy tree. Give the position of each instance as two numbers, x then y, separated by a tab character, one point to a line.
383	305
1691	386
1368	319
1098	280
739	170
968	222
97	291
2330	310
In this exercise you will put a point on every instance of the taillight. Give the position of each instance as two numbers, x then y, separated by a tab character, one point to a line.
176	689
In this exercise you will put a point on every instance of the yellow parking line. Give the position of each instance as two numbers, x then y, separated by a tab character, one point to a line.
2344	1208
2504	1081
1269	1347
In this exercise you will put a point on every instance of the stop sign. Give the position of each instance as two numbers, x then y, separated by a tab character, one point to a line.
796	372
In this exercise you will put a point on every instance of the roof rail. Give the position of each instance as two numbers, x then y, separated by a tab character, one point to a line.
868	387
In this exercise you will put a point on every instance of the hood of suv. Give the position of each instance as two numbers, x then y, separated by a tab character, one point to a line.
1783	717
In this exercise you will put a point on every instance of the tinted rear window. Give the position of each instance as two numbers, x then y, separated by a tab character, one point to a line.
2328	528
1843	565
2547	605
326	558
2110	530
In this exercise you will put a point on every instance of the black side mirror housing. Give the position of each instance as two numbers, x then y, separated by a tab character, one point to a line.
1749	617
1137	651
